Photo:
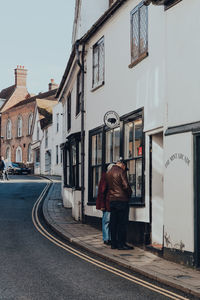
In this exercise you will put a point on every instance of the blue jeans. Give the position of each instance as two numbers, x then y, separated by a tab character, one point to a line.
106	226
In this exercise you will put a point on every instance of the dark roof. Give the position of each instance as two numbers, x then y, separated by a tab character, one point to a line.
50	95
6	93
105	17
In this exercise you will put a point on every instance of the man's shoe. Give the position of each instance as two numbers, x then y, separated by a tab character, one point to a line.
108	243
125	247
113	247
129	247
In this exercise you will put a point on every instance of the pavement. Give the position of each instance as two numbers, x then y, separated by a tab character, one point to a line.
89	238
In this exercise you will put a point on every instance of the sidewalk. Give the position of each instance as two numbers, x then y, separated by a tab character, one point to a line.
140	261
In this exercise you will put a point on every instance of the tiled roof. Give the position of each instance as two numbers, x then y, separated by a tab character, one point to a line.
50	95
45	107
6	93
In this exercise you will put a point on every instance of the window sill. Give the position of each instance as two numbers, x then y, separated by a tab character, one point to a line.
138	60
171	4
19	137
100	84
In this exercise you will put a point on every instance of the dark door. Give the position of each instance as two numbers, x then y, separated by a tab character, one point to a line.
197	199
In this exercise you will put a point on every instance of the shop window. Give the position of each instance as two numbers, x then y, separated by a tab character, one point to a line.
139	34
72	162
133	144
112	145
98	63
106	146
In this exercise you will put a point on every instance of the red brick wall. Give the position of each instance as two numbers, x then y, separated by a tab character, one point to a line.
14	142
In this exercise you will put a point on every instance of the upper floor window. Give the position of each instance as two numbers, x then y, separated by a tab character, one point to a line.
57	122
79	92
98	63
29	153
8	129
19	126
69	112
139	34
46	138
38	131
30	120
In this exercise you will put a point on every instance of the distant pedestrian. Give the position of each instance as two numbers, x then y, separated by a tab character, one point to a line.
2	166
6	167
119	193
102	204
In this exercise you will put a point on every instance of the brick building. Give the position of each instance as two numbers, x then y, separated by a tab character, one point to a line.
16	128
17	114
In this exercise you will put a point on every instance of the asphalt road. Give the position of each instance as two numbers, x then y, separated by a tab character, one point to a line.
31	267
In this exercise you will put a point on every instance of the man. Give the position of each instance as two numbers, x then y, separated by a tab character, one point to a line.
119	193
102	204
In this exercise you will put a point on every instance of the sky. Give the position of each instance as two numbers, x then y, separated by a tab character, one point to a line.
35	34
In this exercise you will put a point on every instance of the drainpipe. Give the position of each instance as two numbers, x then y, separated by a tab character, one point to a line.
81	65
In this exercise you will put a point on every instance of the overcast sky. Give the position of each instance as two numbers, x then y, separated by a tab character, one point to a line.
35	34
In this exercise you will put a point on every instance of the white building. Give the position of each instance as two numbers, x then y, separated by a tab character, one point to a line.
47	133
134	61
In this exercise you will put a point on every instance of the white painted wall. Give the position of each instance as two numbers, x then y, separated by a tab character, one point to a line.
56	136
89	12
178	192
126	89
183	63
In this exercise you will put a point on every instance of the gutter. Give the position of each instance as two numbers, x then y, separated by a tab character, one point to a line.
81	66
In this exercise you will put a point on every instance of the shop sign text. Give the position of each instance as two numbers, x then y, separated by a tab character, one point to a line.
175	156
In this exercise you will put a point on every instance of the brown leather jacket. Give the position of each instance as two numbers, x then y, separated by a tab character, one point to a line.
118	186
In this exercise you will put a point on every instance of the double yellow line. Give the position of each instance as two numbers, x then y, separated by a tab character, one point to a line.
91	260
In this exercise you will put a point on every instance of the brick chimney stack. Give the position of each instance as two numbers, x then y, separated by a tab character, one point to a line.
52	85
20	76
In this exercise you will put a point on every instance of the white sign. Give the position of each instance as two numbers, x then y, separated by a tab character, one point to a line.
111	119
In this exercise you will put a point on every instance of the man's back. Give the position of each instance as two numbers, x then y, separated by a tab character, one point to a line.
118	186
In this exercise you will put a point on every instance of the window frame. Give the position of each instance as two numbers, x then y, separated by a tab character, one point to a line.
71	181
9	129
170	3
133	116
30	123
19	126
97	46
142	55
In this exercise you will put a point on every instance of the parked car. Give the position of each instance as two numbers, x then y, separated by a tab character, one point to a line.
18	168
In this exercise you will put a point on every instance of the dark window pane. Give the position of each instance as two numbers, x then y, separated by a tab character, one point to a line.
138	177
131	175
138	138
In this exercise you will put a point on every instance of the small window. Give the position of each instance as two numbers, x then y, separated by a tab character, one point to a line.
30	120
38	131
8	154
79	93
19	126
56	154
96	162
9	129
98	63
69	112
46	138
19	154
57	122
29	153
139	34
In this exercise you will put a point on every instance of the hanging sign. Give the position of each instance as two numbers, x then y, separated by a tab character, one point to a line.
111	119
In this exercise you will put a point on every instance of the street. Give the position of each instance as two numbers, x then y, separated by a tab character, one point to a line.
32	267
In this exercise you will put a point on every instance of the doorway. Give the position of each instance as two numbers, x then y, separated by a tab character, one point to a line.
156	189
197	199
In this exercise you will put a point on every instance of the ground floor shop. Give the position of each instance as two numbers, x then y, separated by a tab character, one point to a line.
164	168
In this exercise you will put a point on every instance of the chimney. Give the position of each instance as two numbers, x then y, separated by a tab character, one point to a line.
20	76
52	85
